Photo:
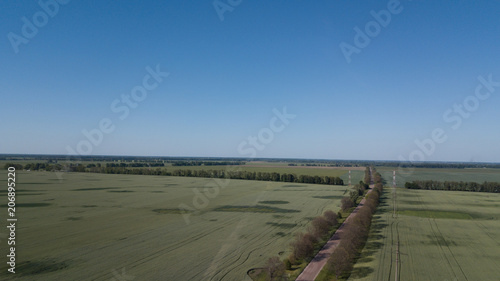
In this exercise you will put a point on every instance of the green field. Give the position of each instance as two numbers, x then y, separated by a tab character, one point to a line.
444	235
95	226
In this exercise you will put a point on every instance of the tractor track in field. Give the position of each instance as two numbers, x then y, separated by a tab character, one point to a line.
447	244
243	257
394	239
485	230
395	215
398	264
451	252
162	250
381	265
438	236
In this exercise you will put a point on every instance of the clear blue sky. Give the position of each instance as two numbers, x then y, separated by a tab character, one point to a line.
226	77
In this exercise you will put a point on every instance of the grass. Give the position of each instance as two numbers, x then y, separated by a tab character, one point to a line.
444	235
85	232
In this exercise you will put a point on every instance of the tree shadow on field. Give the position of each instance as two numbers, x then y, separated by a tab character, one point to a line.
361	271
376	236
374	245
378	226
382	204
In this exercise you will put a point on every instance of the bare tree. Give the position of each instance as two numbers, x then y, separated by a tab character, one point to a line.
339	261
346	204
331	217
276	269
319	227
302	247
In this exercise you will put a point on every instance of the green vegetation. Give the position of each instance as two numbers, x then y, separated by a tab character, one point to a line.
354	234
73	226
455	186
248	224
443	235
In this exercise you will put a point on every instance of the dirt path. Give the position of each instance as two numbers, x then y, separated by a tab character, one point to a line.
318	262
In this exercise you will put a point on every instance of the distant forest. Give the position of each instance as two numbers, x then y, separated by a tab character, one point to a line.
454	185
297	162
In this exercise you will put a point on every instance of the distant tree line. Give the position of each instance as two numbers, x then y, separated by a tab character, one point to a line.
127	168
298	162
240	175
259	176
73	167
35	166
16	166
454	186
207	163
123	165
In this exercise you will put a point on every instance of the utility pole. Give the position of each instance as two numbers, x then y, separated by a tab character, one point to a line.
349	178
394	215
394	193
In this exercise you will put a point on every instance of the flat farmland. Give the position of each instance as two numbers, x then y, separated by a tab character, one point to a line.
443	235
100	227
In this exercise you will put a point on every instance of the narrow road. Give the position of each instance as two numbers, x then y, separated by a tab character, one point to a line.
318	262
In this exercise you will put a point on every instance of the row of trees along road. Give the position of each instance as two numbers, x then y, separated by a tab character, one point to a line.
355	233
322	227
